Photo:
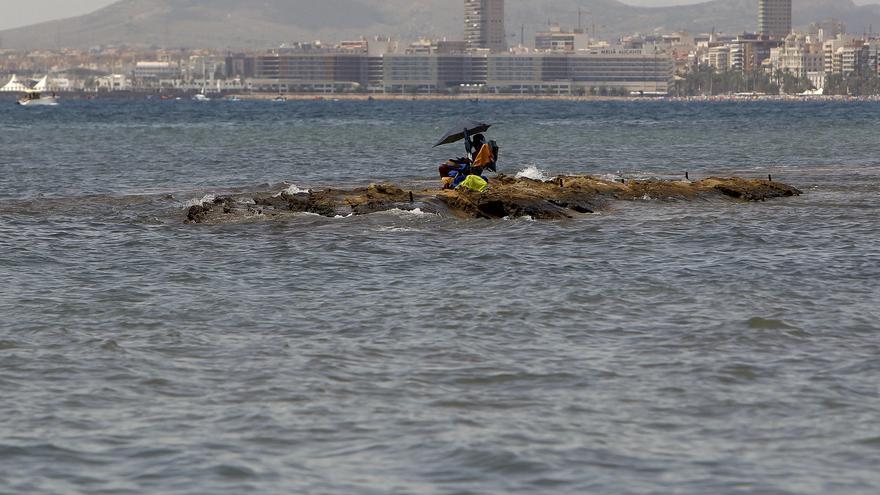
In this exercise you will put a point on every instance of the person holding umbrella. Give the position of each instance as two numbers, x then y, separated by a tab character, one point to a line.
480	155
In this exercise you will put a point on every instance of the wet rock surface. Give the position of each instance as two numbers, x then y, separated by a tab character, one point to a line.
560	198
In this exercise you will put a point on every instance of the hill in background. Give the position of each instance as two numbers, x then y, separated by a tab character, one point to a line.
264	23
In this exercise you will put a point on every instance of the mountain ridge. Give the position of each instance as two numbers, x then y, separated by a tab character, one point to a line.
264	23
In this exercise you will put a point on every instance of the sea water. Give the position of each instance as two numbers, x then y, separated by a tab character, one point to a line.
662	346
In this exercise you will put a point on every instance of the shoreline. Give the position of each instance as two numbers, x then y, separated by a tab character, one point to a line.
501	97
268	97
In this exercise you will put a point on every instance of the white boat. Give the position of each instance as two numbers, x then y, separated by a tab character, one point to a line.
33	98
33	95
201	97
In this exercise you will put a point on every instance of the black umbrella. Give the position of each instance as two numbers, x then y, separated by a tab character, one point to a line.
457	133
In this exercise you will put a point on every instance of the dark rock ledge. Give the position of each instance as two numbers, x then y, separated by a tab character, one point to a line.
560	198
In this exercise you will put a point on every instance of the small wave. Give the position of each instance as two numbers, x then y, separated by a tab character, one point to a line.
769	324
416	211
871	442
534	173
207	198
290	191
111	345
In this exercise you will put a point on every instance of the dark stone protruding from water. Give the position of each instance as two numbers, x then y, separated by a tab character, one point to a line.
560	198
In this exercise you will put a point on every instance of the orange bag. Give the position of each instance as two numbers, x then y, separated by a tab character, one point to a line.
484	157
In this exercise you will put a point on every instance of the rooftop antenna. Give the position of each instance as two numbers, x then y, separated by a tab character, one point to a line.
580	24
522	35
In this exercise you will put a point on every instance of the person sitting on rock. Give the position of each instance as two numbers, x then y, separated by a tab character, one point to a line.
482	154
473	145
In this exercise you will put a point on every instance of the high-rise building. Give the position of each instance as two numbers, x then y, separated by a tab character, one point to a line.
484	25
774	18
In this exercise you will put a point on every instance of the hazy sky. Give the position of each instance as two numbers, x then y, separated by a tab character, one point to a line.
14	13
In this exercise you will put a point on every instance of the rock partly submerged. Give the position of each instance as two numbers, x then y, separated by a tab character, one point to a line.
560	198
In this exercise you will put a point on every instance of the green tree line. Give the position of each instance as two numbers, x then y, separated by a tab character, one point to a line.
854	85
706	81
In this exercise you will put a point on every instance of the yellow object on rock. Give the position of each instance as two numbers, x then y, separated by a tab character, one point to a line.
474	183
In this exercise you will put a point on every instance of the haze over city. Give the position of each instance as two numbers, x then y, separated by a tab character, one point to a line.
16	16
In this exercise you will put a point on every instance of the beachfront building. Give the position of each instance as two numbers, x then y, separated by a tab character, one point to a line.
311	71
798	56
240	65
830	48
557	40
749	52
484	25
432	73
15	85
516	73
850	60
609	70
874	55
774	18
719	57
148	74
601	70
845	55
113	82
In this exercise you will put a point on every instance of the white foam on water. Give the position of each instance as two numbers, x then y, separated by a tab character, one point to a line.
293	189
207	198
615	177
417	212
524	218
534	173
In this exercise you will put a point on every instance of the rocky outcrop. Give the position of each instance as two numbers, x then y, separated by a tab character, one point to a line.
560	198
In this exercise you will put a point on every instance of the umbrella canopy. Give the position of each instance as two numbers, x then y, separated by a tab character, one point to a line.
457	133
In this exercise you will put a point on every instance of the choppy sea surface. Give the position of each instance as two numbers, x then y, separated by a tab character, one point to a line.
660	347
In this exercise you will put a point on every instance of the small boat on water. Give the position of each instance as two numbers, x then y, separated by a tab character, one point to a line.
33	95
36	98
279	99
233	98
201	97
